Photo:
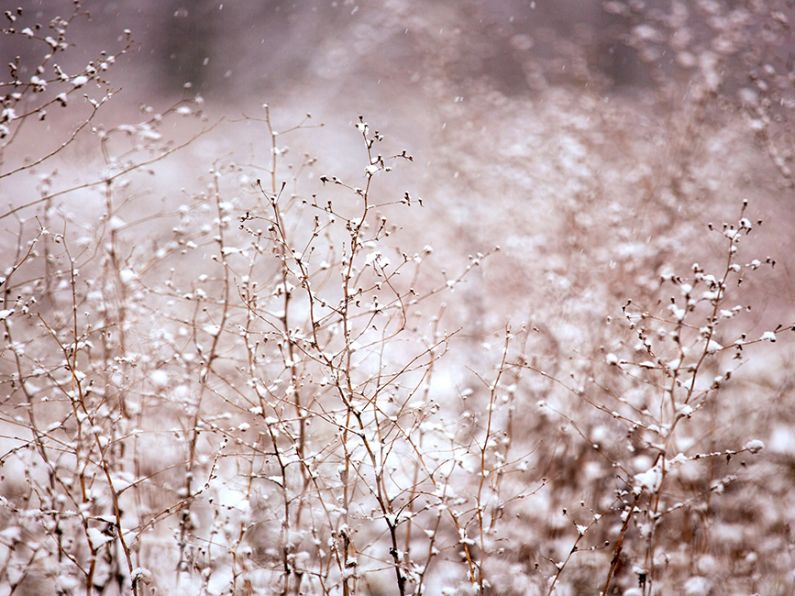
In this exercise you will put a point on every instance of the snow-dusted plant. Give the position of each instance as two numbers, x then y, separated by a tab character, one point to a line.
259	374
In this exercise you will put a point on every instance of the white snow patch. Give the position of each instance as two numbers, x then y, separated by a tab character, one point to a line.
651	479
116	223
697	586
782	440
127	276
159	378
98	538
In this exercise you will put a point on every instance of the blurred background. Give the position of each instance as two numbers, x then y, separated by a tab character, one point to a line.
592	141
240	52
518	111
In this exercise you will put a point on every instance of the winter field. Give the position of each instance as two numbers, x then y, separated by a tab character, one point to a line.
403	297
